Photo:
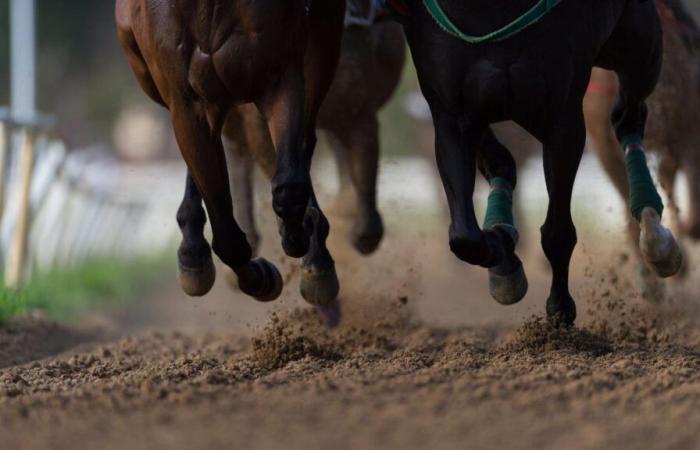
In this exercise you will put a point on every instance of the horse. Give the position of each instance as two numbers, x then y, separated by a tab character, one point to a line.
672	134
485	61
201	59
373	55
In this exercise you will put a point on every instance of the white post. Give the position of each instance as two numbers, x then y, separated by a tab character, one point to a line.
22	60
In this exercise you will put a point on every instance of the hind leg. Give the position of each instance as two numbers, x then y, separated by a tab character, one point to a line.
507	281
598	106
634	51
202	150
360	146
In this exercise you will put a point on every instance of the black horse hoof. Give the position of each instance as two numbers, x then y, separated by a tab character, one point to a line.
268	286
367	234
295	243
561	310
507	282
319	287
197	282
330	314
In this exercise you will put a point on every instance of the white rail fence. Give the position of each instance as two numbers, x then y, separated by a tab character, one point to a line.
61	208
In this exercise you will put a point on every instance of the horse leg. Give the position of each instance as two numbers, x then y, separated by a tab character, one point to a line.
691	167
345	202
203	152
361	146
507	281
598	106
634	51
291	183
456	144
319	280
659	248
668	171
563	149
241	168
196	271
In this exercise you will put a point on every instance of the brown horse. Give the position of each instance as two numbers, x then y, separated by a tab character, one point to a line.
371	63
673	133
203	58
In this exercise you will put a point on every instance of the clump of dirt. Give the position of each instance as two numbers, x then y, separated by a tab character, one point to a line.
300	334
283	342
539	335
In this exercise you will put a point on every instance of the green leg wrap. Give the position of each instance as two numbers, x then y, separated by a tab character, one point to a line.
500	205
643	193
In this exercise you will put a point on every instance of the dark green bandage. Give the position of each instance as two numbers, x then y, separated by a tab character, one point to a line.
643	193
500	205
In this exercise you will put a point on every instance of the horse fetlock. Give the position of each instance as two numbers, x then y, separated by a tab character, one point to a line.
659	247
290	200
367	232
561	309
295	239
260	279
485	251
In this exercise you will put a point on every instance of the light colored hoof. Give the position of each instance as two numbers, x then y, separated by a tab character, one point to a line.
319	287
508	289
197	282
659	248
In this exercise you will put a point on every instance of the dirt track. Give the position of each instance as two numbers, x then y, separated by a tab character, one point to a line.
423	360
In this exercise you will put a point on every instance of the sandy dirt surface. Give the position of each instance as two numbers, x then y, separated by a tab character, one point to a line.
423	359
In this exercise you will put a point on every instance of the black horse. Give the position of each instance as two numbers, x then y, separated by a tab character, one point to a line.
537	76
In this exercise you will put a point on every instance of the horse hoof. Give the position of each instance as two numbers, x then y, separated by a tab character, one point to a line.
659	247
197	282
319	287
330	314
561	310
507	282
269	284
367	235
